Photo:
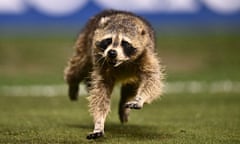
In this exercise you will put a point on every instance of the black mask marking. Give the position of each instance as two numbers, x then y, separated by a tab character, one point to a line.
128	48
104	43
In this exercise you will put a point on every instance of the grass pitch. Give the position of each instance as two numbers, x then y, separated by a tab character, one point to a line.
178	118
40	59
182	118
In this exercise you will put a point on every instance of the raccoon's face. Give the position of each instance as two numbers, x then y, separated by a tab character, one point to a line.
115	49
117	44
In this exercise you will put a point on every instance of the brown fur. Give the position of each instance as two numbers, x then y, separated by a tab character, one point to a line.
140	73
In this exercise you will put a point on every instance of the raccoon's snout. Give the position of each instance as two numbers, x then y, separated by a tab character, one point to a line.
112	54
112	57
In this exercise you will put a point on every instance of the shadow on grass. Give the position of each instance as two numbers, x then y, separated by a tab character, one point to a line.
130	132
136	132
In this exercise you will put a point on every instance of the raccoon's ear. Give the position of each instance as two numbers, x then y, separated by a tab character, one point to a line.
103	21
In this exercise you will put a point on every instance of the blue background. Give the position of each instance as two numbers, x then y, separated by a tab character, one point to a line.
33	20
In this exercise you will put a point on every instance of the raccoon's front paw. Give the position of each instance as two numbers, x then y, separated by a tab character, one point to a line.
95	135
133	105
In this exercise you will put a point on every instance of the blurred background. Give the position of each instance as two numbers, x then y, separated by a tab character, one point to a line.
199	45
198	40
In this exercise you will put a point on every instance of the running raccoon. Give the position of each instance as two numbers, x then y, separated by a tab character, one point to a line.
115	46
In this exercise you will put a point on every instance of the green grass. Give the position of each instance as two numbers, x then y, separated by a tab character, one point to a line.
202	57
34	59
182	118
40	59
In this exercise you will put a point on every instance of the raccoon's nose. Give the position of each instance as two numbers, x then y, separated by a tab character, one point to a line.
112	54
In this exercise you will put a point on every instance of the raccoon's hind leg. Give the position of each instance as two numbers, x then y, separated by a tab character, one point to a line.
77	69
128	91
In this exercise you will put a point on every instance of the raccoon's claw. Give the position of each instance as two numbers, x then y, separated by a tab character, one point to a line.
95	135
133	105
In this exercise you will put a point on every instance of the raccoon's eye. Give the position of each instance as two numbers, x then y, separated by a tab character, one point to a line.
128	48
104	43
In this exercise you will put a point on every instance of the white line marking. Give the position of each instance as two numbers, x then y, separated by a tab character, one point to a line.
203	87
171	87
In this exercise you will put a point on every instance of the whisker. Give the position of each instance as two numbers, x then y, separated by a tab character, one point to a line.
103	63
100	57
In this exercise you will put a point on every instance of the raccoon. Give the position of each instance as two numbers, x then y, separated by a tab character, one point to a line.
115	46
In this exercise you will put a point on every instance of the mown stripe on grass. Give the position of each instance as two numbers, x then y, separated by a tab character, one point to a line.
171	87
